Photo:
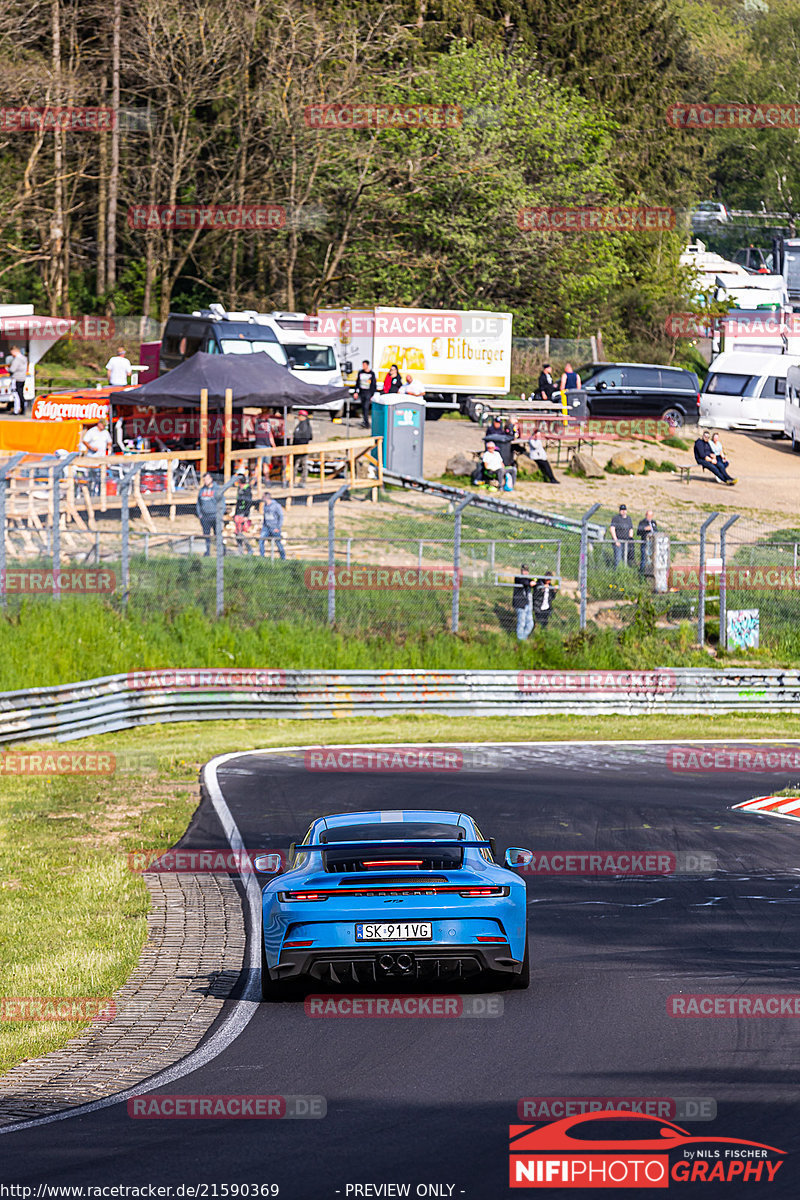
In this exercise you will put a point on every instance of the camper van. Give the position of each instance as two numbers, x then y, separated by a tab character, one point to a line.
791	408
746	391
216	331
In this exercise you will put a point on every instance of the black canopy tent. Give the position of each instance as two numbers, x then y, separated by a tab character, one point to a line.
254	380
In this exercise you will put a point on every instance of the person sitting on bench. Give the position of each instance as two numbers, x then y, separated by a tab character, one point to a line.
705	457
490	464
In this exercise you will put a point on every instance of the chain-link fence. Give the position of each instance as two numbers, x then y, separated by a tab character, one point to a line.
411	564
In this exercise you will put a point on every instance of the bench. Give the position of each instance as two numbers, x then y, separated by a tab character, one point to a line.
684	473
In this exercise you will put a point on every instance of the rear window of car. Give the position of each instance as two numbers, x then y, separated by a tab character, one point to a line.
390	831
726	384
677	381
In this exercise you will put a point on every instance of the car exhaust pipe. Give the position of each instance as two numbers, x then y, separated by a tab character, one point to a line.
386	962
405	963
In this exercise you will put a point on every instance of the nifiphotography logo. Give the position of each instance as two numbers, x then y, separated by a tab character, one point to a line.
623	1149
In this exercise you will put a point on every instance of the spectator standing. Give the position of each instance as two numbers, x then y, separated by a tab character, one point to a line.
522	603
545	386
366	386
241	513
621	530
392	382
705	457
18	370
491	463
539	455
263	438
302	436
502	439
96	442
570	379
119	368
271	525
645	531
544	591
206	508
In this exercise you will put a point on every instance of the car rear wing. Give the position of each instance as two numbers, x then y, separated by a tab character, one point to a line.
396	844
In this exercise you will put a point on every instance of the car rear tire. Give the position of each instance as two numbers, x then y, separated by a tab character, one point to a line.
674	417
523	980
276	990
795	444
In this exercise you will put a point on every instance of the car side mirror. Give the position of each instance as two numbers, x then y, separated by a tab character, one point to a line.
292	362
517	857
268	864
601	387
348	367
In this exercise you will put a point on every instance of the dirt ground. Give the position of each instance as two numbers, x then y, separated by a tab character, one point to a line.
766	494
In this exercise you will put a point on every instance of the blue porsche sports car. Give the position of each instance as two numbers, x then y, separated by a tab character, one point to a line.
387	896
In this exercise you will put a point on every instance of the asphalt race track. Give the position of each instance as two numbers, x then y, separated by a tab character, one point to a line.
429	1101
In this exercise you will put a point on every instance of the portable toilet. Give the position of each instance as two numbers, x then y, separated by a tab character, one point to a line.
400	421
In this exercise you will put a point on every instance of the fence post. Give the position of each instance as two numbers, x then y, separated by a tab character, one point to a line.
701	603
332	554
583	573
459	508
125	523
218	520
58	471
723	581
6	467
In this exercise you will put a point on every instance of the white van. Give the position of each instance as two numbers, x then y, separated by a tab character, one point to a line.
791	407
312	356
746	391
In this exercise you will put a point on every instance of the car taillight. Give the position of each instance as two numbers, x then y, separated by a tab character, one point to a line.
296	944
491	939
393	862
305	895
698	399
483	891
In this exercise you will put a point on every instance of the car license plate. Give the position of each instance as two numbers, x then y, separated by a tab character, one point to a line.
395	931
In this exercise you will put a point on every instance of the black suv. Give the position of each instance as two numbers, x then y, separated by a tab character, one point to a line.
641	390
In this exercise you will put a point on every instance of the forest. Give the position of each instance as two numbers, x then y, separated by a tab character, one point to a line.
541	103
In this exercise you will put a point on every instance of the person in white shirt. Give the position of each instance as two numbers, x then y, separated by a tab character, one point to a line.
18	370
119	368
411	388
716	446
490	463
539	455
96	442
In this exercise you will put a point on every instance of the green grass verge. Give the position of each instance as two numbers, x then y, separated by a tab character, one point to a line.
74	918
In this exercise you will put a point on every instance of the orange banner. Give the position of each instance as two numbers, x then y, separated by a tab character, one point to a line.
39	437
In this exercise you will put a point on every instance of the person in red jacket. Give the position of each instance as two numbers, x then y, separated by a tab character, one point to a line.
392	382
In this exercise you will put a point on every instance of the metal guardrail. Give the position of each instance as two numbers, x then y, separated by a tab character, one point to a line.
118	702
503	508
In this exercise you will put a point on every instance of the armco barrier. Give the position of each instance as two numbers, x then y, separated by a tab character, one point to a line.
124	701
